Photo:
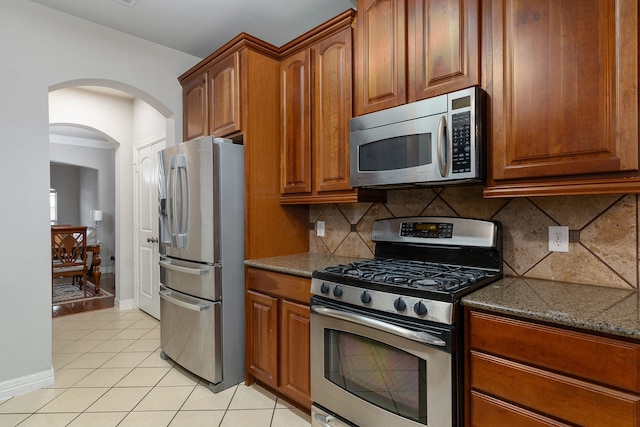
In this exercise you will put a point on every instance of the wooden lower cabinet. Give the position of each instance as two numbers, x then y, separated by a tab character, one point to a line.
528	374
295	352
262	334
278	335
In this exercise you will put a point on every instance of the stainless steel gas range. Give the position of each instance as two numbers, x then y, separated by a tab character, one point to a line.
386	339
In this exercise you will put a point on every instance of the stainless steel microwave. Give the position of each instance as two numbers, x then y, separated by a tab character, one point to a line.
435	141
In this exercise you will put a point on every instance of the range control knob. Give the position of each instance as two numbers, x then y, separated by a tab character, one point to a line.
420	309
324	288
365	297
337	291
399	304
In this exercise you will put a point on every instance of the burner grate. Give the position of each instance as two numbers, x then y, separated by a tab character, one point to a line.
411	273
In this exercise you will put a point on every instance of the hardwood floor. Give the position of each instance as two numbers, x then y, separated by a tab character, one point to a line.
107	282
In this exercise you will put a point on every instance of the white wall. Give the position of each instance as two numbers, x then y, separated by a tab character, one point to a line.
65	180
42	49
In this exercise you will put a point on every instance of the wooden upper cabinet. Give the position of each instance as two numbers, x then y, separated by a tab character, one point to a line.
211	97
316	99
195	107
444	46
408	50
224	84
331	112
316	107
381	45
564	96
295	86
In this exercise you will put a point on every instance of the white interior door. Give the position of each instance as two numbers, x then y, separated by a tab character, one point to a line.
147	270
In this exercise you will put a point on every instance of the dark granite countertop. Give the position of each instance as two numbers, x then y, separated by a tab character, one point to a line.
594	308
299	264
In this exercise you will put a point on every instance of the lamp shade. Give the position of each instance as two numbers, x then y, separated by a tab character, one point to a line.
96	215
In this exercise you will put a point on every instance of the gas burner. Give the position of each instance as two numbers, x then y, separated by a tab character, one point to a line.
410	273
414	274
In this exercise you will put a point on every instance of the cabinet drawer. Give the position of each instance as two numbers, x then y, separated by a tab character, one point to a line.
604	360
487	411
294	288
558	396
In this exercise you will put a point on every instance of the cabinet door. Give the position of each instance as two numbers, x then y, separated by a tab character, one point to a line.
296	127
262	337
294	351
224	83
331	112
195	107
444	46
380	78
564	87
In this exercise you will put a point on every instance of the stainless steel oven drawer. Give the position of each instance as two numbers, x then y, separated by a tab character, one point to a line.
190	331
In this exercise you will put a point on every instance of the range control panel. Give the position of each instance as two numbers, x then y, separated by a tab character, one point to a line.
431	230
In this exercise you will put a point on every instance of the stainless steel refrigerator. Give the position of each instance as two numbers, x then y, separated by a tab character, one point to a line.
201	210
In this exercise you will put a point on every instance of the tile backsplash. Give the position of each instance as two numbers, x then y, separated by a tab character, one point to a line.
604	251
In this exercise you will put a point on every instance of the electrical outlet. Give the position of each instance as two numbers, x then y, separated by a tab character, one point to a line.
320	228
558	239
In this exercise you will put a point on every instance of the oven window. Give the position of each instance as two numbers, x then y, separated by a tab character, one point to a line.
401	152
382	375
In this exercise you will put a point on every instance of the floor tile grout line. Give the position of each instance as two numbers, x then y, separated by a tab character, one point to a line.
172	367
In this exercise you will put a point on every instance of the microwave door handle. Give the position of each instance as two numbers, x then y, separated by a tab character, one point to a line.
442	146
421	337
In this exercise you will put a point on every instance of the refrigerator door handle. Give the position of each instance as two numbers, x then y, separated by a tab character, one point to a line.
184	302
172	202
183	219
195	271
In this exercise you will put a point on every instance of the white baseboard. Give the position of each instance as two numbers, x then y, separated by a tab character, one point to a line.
25	384
127	304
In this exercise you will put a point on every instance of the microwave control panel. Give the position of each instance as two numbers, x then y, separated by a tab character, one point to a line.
461	142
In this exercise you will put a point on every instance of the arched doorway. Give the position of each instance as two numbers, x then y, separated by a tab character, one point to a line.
133	120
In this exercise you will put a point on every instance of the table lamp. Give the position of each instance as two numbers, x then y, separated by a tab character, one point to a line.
96	215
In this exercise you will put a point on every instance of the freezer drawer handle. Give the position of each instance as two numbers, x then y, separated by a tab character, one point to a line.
194	271
421	337
166	295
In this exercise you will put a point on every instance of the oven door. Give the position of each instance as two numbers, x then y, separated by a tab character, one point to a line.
373	370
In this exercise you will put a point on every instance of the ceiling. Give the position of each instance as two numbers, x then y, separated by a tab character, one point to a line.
199	27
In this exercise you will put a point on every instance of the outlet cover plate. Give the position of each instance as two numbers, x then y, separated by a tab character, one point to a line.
558	239
320	228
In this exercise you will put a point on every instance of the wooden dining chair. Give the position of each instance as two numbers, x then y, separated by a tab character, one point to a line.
69	254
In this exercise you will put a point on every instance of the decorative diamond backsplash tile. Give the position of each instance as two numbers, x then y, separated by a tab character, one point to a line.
606	255
525	230
612	238
574	211
409	202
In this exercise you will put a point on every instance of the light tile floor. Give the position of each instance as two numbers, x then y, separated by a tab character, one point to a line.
108	372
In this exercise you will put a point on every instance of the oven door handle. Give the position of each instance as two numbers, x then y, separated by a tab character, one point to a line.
421	337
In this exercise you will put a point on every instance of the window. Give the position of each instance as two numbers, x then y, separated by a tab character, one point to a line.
53	206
